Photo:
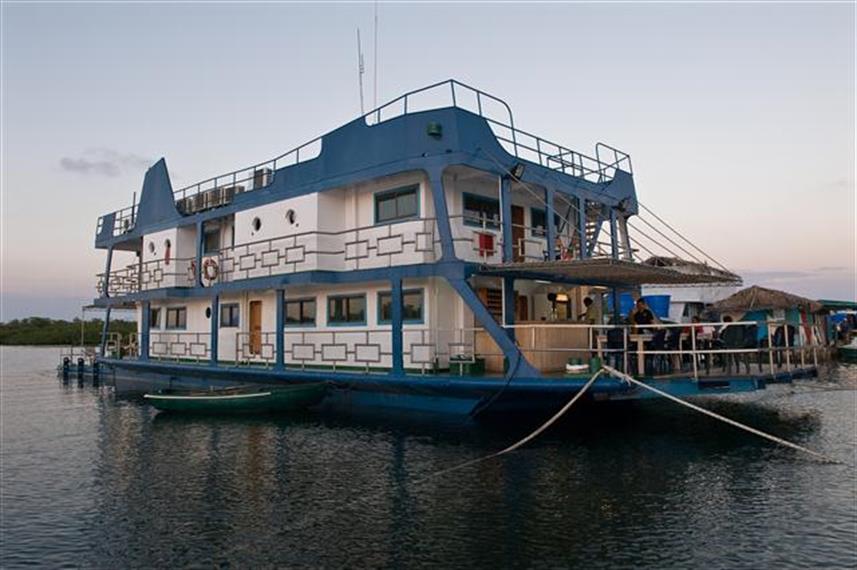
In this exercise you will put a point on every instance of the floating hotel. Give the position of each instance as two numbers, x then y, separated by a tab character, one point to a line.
429	255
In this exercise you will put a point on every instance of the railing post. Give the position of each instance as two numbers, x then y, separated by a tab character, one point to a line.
105	291
144	330
786	344
693	354
506	218
396	326
215	329
550	224
200	244
280	342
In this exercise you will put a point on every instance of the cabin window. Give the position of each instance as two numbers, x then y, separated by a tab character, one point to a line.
300	313
256	224
397	204
212	241
155	319
177	318
479	210
412	307
538	221
229	315
346	310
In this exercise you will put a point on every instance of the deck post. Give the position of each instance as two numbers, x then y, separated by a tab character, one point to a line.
441	213
396	326
145	322
509	306
200	244
614	238
105	291
550	224
104	330
770	349
280	344
506	218
581	226
215	328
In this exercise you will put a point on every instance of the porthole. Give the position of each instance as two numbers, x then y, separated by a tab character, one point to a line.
291	217
256	224
208	312
167	243
151	247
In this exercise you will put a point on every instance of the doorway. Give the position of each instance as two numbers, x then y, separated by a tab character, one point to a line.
256	327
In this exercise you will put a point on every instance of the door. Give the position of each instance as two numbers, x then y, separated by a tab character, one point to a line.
518	233
255	327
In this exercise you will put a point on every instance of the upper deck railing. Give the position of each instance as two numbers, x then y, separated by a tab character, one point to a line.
221	190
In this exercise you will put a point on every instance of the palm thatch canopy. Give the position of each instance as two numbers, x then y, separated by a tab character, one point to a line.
760	298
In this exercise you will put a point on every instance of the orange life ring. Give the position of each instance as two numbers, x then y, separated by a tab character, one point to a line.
210	270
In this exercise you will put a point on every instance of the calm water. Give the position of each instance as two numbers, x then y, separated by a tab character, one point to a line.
92	481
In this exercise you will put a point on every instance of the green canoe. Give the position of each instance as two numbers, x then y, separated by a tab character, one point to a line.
230	401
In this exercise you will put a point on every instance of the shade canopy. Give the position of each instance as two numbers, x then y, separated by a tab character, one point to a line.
608	271
761	298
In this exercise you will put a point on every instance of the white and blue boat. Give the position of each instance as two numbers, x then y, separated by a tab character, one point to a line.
428	256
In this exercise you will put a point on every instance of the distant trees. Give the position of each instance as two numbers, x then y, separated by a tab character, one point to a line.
41	331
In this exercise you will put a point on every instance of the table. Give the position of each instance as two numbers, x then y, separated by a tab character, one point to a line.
641	339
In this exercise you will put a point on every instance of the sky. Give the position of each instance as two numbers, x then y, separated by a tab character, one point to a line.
739	118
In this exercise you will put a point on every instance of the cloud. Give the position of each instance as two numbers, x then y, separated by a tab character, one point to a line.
104	162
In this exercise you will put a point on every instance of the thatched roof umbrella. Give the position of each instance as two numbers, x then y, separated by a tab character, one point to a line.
760	298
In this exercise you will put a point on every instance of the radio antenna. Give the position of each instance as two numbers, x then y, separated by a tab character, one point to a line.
361	69
375	66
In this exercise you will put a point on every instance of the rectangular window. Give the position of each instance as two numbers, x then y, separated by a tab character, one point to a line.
479	210
229	315
177	318
398	204
346	310
300	313
212	241
538	221
412	307
155	319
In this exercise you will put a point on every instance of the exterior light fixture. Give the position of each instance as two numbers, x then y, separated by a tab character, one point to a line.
517	171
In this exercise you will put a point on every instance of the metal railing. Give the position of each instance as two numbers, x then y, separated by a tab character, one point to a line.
154	274
221	190
659	350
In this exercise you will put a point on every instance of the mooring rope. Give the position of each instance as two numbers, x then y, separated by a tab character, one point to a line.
775	439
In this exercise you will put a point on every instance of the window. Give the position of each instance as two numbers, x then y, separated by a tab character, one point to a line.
256	224
177	318
479	208
398	204
155	319
538	221
300	313
346	310
412	306
229	315
212	241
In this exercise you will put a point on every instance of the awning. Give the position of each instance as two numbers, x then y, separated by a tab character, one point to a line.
607	271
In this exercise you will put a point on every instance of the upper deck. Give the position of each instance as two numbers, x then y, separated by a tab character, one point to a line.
451	119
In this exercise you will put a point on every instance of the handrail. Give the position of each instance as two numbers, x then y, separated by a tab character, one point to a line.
262	173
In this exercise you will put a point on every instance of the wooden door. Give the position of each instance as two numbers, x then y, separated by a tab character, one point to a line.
255	327
518	233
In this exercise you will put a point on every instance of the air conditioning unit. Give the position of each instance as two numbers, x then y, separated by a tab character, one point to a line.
262	177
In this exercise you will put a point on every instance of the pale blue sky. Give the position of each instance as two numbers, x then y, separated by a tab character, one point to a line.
739	118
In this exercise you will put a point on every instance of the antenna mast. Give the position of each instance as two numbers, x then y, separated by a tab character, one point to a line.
375	66
360	70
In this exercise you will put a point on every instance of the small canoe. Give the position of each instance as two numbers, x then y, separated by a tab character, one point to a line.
286	398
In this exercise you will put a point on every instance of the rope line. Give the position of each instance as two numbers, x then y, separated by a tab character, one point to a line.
717	416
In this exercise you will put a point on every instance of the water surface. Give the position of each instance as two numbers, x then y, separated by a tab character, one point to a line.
89	480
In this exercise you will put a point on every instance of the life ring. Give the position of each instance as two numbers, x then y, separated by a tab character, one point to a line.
210	270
